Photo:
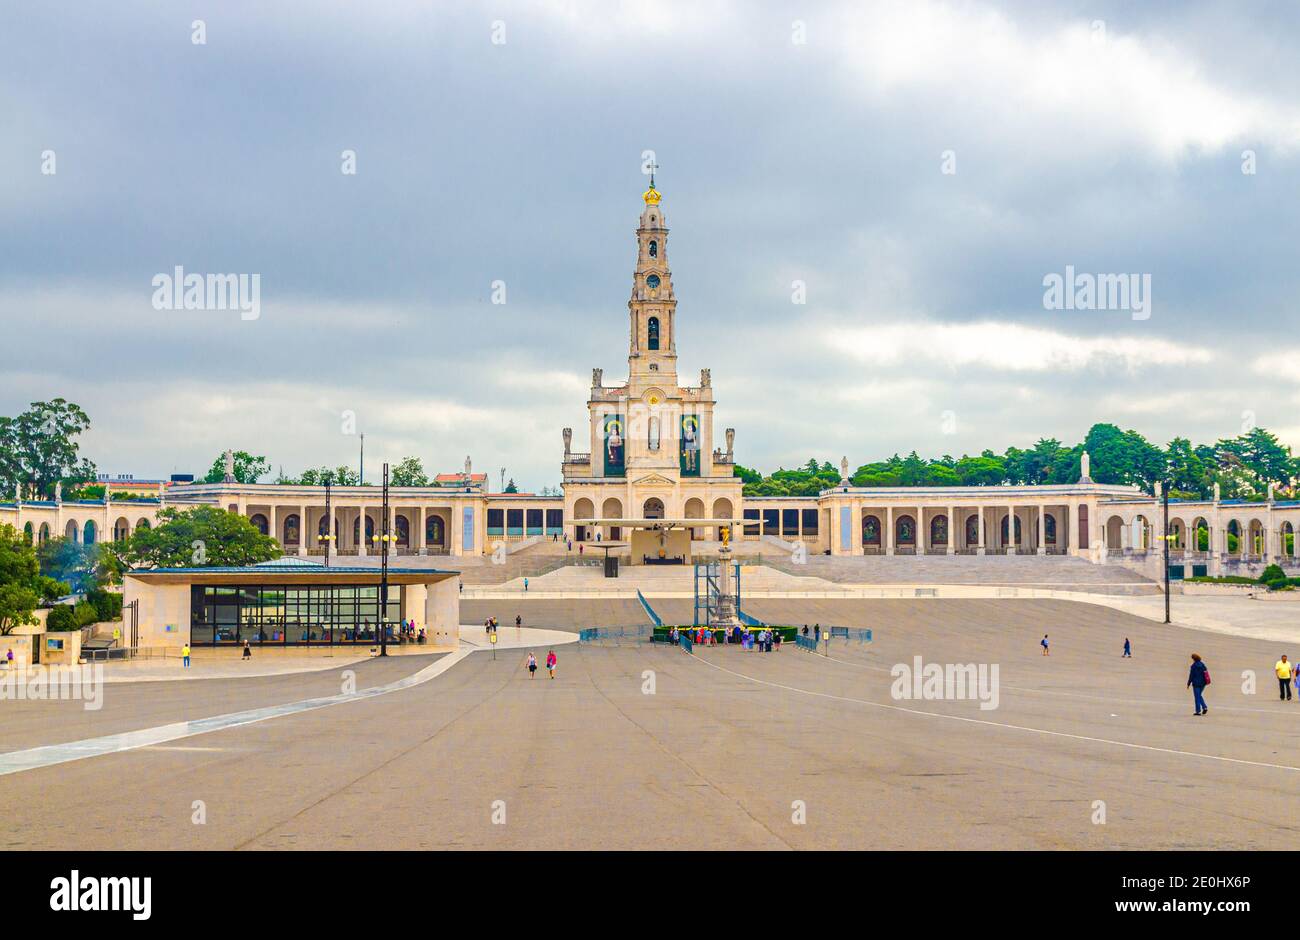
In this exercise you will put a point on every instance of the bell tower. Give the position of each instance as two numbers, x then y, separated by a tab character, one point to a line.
652	350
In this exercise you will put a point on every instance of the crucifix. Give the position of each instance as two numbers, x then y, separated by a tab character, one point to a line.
653	166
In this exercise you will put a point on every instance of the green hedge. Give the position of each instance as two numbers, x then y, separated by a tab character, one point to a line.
65	617
107	604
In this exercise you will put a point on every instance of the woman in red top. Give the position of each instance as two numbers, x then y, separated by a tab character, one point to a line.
550	663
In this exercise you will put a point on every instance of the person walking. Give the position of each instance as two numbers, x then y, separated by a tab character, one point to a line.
1128	650
1047	650
519	621
248	651
531	663
185	656
1197	679
551	661
525	585
1284	670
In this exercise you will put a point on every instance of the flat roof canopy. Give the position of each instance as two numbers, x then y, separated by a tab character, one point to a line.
315	574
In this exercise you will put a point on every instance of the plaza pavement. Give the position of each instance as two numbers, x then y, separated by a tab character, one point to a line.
718	756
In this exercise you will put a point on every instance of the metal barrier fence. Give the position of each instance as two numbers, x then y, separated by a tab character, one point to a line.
130	652
616	635
813	643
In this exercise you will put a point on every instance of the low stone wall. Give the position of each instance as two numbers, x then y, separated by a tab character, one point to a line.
1221	590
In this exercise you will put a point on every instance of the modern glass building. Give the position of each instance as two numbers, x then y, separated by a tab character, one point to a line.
291	602
224	614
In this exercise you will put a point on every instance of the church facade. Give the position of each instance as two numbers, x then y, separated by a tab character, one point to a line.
649	439
654	459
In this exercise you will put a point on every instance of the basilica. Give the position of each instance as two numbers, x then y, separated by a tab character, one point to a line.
653	482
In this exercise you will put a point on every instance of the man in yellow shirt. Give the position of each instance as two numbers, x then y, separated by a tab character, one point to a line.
1283	670
185	655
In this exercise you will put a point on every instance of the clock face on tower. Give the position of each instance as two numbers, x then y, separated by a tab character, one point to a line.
652	282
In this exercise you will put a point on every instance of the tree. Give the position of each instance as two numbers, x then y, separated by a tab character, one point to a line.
1262	459
410	472
71	562
319	476
22	586
203	537
1187	473
38	447
248	469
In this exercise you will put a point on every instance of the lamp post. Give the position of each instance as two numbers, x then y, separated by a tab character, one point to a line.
384	541
1165	502
329	525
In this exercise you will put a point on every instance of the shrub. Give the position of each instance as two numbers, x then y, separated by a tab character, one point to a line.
108	604
85	614
62	618
1272	573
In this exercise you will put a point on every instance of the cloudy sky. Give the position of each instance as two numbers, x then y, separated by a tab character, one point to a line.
920	166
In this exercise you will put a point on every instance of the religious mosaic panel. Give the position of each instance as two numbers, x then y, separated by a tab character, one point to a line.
615	446
690	446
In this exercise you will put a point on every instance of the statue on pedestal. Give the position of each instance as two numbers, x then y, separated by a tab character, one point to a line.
597	375
230	467
568	440
1085	468
844	470
731	444
58	491
706	378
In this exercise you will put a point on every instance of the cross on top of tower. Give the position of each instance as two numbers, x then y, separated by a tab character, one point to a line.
651	195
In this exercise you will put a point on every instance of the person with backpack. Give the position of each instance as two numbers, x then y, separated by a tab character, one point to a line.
1047	651
531	663
1197	680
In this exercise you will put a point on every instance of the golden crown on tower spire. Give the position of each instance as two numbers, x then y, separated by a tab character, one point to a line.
651	195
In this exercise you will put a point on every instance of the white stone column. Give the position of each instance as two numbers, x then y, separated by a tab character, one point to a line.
303	529
952	529
1042	529
982	548
420	548
361	531
889	530
1011	530
1072	526
275	525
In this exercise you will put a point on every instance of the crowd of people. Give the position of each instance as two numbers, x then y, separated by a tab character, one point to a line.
764	639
